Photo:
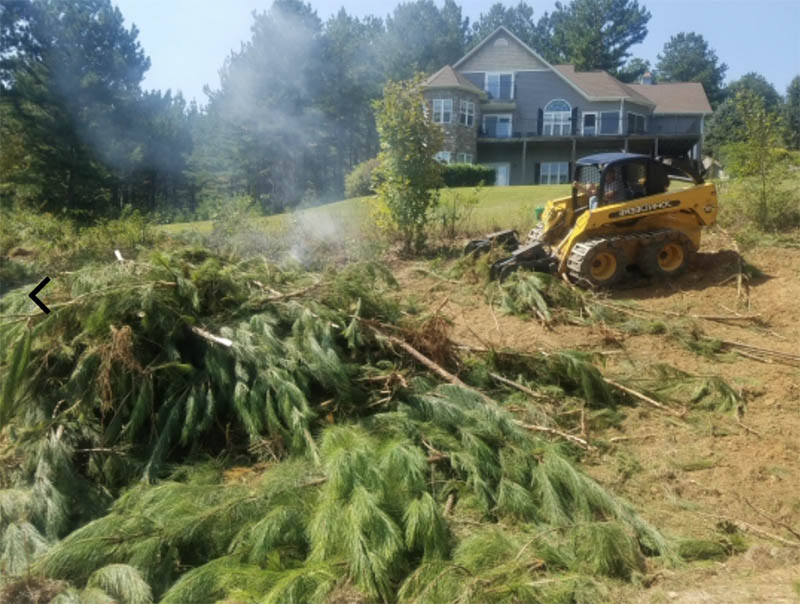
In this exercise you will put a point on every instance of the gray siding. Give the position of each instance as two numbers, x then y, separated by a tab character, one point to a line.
533	90
500	49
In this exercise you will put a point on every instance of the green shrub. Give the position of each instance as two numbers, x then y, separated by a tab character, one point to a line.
455	211
762	166
412	176
467	175
360	182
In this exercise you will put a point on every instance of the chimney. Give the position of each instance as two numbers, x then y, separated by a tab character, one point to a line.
647	78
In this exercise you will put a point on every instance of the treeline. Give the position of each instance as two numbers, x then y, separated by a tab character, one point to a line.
293	111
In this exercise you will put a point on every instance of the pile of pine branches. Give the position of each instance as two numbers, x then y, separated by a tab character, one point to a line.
194	427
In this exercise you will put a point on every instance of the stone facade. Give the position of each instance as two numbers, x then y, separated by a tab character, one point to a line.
458	138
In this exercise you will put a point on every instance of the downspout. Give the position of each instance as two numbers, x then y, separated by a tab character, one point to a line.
621	110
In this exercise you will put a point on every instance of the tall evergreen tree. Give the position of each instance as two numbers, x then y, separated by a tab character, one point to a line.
687	57
517	19
595	34
422	37
264	106
70	86
792	113
633	70
728	123
351	80
758	85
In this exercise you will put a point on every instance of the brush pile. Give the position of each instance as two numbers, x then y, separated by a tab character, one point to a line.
196	428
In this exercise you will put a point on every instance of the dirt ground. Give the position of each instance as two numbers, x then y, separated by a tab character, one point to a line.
690	475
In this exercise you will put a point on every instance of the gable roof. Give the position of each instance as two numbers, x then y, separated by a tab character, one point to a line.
677	97
522	54
602	85
592	85
502	29
447	77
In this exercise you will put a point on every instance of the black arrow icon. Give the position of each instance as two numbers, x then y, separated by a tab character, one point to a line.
36	290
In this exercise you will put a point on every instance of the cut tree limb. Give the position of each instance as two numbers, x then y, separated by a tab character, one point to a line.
552	431
211	337
517	385
751	528
645	398
767	351
718	318
774	522
453	379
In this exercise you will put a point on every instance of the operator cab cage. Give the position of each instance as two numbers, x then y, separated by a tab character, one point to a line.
619	177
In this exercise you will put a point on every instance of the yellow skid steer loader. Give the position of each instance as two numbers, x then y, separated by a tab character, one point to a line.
621	214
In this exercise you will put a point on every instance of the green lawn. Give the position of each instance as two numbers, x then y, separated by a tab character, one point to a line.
498	207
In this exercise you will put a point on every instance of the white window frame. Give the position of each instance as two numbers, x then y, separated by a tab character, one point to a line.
498	74
557	119
498	116
496	165
444	157
644	122
464	158
441	111
596	115
467	110
550	173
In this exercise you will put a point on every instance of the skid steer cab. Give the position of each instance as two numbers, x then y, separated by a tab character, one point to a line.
626	211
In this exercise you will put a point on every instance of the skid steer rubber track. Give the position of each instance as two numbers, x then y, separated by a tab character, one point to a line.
649	243
535	234
598	262
665	253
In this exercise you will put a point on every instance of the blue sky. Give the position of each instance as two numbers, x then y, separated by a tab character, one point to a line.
188	40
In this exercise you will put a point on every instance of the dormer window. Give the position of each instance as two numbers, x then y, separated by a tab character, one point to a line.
442	111
500	86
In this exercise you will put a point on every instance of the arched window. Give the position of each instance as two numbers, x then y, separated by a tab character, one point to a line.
557	118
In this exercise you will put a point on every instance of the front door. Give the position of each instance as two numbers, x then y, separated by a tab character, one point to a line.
502	174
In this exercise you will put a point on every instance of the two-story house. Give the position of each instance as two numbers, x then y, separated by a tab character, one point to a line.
504	106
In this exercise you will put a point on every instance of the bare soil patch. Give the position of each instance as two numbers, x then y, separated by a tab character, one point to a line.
690	475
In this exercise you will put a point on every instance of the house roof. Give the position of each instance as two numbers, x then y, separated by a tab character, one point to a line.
677	97
447	77
683	97
594	85
601	84
503	30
